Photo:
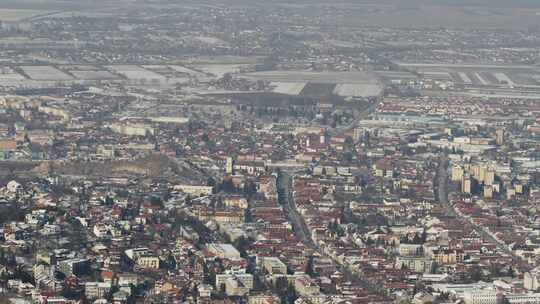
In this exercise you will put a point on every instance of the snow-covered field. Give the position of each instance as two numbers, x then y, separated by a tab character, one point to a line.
358	90
481	79
503	78
7	74
465	78
219	70
93	75
316	77
211	40
288	88
182	69
437	75
45	73
135	72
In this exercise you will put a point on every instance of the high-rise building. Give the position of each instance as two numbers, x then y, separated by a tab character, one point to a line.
489	178
229	166
531	280
499	137
488	192
466	184
457	174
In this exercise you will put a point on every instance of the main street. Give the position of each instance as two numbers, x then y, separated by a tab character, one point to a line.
286	198
301	230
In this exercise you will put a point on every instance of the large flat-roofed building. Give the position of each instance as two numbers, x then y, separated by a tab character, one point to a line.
274	265
133	129
410	250
305	286
523	298
224	251
74	266
531	280
194	190
417	264
232	216
459	290
97	290
148	262
235	284
482	297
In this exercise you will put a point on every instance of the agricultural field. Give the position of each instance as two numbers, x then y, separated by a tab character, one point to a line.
8	74
94	75
187	71
45	73
358	90
219	70
479	75
288	88
315	77
135	72
168	72
211	40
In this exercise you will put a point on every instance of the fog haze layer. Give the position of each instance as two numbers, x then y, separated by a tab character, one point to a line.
481	14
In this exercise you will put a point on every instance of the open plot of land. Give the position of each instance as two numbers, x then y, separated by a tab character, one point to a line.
7	74
526	79
315	89
169	73
288	88
219	70
358	90
390	75
489	77
481	79
221	59
465	78
45	73
315	77
437	75
135	72
211	40
463	66
80	68
503	78
94	75
479	75
188	71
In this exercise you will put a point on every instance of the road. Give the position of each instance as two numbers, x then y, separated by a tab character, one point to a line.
301	230
442	185
286	198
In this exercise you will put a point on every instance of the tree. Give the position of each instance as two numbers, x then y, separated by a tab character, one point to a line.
228	186
211	182
156	201
476	274
109	201
250	188
310	267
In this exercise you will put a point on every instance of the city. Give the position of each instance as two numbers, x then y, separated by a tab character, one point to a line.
253	152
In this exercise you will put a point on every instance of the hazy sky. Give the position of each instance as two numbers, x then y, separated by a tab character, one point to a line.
484	3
